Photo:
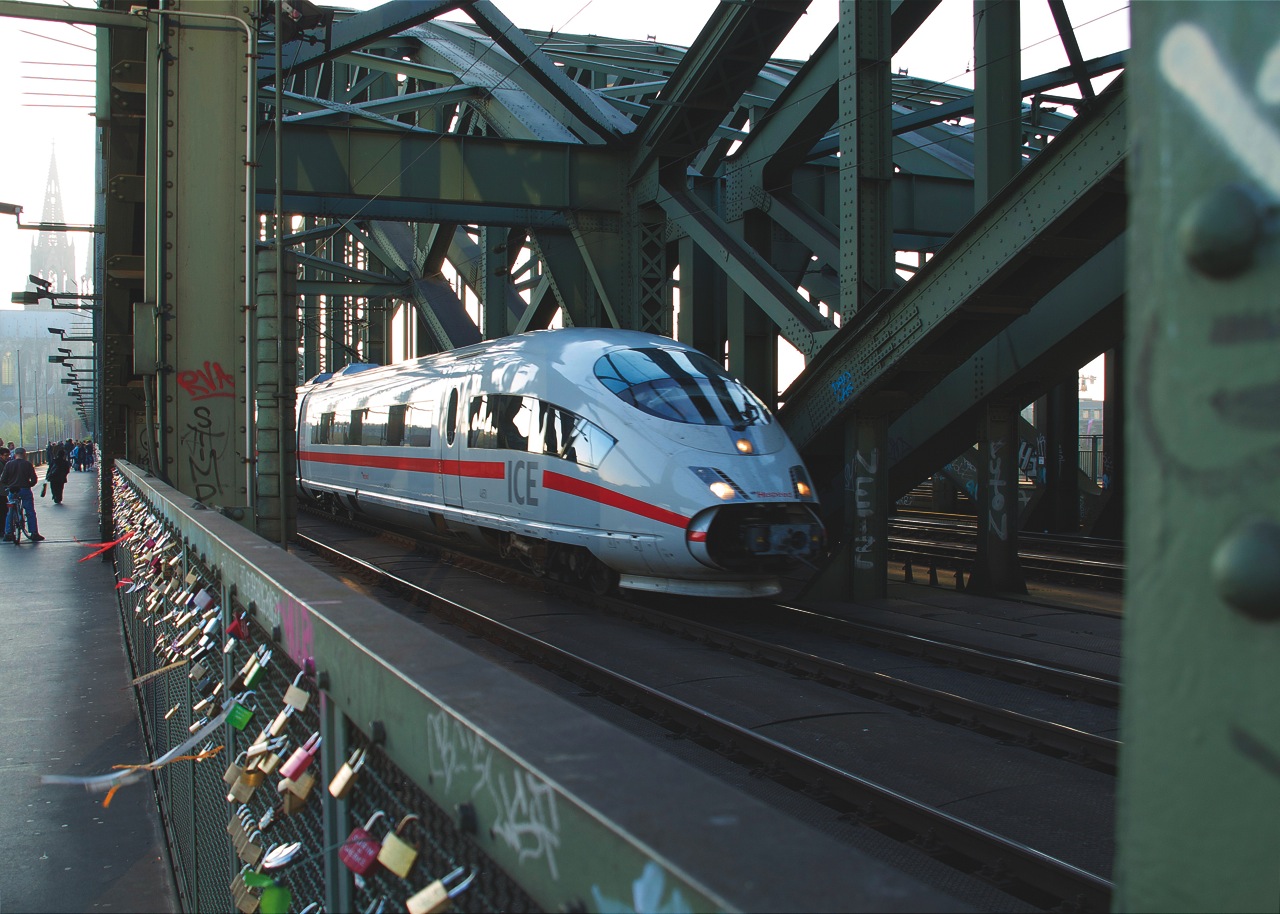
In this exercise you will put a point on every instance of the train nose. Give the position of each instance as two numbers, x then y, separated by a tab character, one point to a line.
754	537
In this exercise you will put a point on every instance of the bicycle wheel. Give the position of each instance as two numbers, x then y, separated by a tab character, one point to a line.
15	523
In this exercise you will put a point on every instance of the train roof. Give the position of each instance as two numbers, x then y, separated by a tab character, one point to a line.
571	351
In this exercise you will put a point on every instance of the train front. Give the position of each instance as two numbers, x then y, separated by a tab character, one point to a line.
726	465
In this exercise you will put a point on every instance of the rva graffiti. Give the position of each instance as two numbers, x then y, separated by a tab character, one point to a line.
211	381
997	515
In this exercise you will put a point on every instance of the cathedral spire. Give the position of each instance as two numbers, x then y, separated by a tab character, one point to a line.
53	254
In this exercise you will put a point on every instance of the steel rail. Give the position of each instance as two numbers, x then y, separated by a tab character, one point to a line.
998	857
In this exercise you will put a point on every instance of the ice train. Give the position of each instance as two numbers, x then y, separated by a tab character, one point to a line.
607	457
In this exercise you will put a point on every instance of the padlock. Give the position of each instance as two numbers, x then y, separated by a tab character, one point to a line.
203	706
238	628
277	726
438	895
254	676
172	711
197	672
291	803
197	725
242	709
342	782
359	852
267	819
235	831
397	854
268	763
238	887
300	788
264	744
235	769
295	696
251	851
243	789
301	758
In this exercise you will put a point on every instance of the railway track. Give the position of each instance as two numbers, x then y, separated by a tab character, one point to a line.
1036	877
929	542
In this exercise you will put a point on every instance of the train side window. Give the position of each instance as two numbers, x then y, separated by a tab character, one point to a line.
570	437
451	418
355	431
324	431
395	425
421	422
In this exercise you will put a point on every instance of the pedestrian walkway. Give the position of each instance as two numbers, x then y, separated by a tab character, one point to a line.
66	709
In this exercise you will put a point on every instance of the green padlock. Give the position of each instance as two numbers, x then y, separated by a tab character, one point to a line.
241	713
254	676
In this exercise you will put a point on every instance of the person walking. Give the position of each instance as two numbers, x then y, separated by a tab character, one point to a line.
76	459
56	474
17	478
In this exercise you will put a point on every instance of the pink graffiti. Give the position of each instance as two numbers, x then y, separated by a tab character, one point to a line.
212	381
296	631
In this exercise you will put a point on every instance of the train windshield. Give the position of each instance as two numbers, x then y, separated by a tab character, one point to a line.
681	386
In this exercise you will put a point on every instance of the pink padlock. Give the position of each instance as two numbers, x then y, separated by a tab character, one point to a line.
301	759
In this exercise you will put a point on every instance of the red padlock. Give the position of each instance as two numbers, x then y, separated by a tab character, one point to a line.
360	851
237	629
301	759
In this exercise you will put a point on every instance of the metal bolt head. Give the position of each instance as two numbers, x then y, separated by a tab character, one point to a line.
1221	231
1246	569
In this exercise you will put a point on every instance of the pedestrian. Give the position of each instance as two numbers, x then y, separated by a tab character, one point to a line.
56	474
88	443
77	460
17	478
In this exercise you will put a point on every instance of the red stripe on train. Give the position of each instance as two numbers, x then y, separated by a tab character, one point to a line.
601	495
486	469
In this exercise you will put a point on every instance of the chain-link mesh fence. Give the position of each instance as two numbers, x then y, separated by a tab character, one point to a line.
167	593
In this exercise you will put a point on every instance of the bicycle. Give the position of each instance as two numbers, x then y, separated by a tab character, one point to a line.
17	519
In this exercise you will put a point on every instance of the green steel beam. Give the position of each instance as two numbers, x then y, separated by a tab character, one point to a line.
798	320
1067	205
48	12
490	177
1066	328
1199	790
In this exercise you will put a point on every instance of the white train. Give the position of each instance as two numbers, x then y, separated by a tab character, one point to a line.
601	456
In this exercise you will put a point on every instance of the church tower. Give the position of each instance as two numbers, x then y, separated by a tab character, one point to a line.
53	254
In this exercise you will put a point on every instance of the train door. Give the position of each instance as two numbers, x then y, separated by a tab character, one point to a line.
453	439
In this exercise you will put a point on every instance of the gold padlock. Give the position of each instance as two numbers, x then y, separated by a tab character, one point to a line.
343	781
277	726
234	770
438	896
300	786
397	854
295	696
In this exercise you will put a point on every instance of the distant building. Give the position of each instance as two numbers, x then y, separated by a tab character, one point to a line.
53	254
1090	418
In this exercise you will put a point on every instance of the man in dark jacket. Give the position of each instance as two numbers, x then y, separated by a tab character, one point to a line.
56	474
17	477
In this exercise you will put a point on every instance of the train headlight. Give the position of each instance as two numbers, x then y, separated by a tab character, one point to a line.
722	490
800	482
744	446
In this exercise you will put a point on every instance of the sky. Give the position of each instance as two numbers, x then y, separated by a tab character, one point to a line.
40	79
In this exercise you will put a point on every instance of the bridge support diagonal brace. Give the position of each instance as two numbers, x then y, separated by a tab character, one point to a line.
859	569
996	567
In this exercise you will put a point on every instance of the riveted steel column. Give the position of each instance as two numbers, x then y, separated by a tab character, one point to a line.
274	394
997	97
205	55
996	567
860	569
1198	827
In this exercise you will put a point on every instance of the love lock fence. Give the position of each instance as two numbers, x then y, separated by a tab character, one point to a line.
315	750
341	783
